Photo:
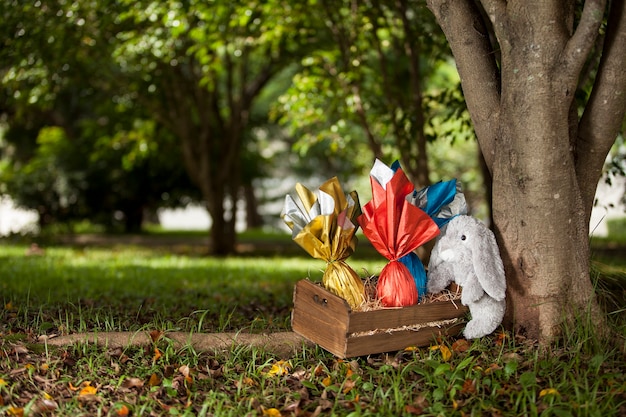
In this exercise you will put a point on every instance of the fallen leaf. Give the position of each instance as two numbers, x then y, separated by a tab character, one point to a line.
548	391
132	383
44	406
155	335
460	345
184	369
122	411
348	385
327	381
500	338
16	411
18	350
279	368
492	367
154	380
88	390
446	354
512	356
410	409
271	412
469	386
248	381
157	355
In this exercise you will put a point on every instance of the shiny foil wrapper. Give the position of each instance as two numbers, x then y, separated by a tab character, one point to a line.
323	222
395	227
441	201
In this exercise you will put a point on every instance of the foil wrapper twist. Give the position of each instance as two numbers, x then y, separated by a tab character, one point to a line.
323	223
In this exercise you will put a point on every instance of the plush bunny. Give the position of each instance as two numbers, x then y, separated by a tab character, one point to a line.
466	253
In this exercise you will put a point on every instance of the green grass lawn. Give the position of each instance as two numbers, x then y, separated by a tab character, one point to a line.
76	290
125	288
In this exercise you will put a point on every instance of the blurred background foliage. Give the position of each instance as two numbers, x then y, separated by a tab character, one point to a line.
110	110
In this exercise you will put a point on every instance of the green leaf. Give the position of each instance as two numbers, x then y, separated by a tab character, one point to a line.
528	379
465	363
441	369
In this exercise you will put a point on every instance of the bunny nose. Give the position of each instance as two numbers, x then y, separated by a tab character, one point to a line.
447	255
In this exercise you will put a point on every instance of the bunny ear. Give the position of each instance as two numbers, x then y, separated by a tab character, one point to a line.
488	263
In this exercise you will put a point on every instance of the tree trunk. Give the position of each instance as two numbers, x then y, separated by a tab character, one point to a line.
538	213
222	237
521	109
254	220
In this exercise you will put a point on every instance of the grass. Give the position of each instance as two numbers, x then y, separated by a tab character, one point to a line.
75	290
70	290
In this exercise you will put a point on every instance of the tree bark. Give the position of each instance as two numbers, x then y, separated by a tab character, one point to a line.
522	116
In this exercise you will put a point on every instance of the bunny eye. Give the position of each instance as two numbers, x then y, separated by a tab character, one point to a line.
463	237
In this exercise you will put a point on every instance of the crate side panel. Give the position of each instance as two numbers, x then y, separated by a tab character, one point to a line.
320	317
389	342
391	318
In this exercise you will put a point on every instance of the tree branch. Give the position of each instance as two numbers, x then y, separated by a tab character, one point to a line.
579	46
604	113
462	23
496	11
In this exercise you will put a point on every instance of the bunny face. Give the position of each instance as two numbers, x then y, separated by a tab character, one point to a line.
472	252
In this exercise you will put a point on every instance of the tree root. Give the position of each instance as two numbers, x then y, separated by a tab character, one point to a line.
281	343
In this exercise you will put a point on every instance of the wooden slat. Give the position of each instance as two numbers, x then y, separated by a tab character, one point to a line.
391	318
384	342
320	316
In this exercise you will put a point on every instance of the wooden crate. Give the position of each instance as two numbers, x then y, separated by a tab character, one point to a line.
328	320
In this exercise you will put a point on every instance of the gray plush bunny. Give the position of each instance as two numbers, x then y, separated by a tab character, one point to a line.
466	253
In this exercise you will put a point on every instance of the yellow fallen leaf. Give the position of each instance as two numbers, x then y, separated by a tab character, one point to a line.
327	381
280	368
548	391
154	380
16	411
446	354
271	412
3	383
88	390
